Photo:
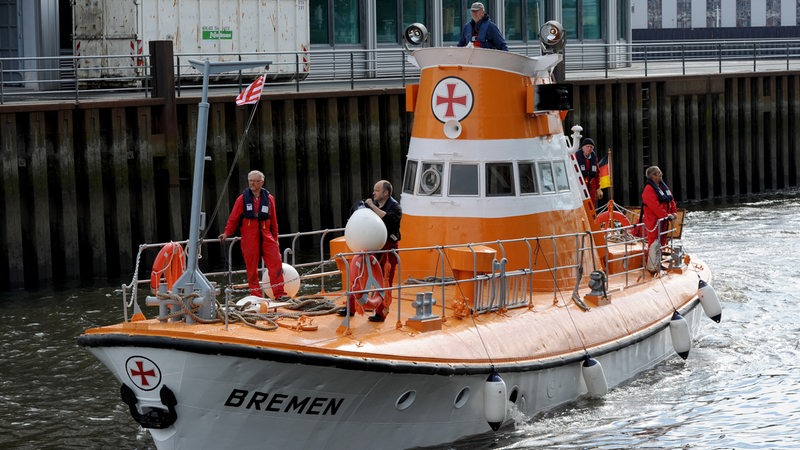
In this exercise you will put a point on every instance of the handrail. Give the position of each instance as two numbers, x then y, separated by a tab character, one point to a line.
81	78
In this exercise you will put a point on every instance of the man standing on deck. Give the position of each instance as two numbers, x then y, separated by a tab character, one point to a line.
388	209
254	214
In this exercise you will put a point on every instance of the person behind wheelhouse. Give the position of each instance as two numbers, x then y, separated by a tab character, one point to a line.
388	209
255	216
657	204
589	164
480	31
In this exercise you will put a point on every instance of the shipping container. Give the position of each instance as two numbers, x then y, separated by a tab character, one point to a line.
110	37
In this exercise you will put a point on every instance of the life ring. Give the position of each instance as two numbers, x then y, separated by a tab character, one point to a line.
366	277
170	264
430	181
602	219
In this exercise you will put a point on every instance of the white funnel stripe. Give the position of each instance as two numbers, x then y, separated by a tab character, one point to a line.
445	152
532	149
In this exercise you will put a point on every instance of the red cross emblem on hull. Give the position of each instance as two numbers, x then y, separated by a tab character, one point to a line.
452	99
143	373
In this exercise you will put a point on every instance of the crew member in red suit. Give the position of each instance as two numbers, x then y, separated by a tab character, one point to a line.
254	214
657	203
590	169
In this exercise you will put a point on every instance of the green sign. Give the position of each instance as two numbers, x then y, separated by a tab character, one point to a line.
217	34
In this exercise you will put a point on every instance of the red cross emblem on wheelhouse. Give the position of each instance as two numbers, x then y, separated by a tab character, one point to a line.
143	373
452	99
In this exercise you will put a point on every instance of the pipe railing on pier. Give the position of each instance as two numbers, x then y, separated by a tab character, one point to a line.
82	78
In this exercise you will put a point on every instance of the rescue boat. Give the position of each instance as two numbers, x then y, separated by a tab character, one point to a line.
509	297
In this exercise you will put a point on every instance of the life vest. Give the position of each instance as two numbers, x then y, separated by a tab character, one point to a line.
366	275
249	205
589	165
169	265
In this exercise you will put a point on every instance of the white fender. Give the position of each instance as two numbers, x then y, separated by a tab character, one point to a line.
254	301
681	337
594	377
291	281
709	301
494	400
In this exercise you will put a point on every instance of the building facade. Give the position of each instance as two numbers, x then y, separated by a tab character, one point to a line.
714	19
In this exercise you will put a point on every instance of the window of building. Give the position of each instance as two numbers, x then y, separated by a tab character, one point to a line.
454	16
411	177
386	27
743	13
684	14
463	179
623	19
499	179
392	16
713	17
527	178
523	18
587	24
654	14
773	13
335	21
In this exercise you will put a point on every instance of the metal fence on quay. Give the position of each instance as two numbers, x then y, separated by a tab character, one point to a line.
82	78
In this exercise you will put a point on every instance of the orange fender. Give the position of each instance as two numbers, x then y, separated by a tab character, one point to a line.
602	220
366	274
169	265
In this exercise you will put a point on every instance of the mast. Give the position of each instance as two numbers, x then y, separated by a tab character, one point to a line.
193	281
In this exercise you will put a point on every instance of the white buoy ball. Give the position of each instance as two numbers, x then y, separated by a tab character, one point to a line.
291	281
365	231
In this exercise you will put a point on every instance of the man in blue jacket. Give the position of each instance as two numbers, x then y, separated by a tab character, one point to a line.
481	31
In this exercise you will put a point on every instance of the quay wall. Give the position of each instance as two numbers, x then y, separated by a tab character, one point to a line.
83	185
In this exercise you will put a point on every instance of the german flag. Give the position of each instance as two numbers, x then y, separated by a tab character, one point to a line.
605	177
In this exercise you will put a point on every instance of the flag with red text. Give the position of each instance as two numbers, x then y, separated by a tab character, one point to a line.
252	93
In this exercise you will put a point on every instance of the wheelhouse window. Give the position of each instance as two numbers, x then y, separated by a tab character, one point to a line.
410	177
430	180
546	177
527	178
463	179
499	179
560	173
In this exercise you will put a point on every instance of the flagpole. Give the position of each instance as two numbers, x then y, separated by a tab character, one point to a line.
610	179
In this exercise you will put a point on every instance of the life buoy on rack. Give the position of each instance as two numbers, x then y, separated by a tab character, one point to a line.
602	219
366	275
170	264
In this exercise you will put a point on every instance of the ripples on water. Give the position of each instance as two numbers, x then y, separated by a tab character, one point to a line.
740	387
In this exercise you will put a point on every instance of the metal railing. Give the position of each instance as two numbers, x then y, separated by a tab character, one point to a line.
81	78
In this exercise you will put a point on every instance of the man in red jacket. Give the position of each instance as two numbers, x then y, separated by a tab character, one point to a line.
657	204
254	214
